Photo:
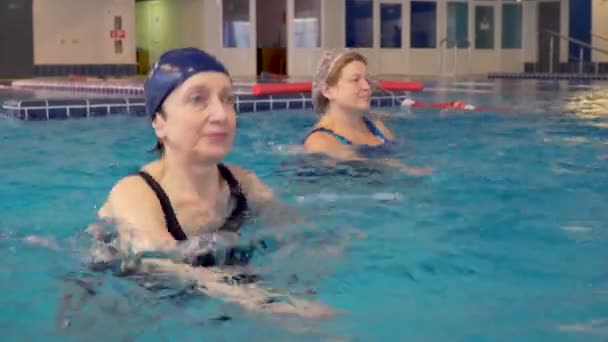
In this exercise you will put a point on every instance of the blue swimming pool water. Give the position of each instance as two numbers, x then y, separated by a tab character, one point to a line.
504	241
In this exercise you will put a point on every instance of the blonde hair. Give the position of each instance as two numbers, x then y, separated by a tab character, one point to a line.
329	72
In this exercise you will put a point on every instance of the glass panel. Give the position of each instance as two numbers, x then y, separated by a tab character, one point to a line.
307	23
484	27
390	26
359	23
236	25
424	24
511	26
458	24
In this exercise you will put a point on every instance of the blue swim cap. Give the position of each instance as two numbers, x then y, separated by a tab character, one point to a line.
172	69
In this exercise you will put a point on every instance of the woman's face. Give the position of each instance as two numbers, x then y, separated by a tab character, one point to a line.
352	92
199	118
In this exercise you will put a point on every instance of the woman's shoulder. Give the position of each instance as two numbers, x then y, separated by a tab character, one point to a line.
129	192
245	177
253	187
319	139
377	119
134	182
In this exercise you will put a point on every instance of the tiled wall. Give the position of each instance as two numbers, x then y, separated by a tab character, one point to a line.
78	31
548	76
36	110
571	67
57	109
86	69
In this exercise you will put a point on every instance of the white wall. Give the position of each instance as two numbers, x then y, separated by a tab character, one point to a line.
529	32
198	23
426	61
167	24
599	25
241	62
78	31
301	62
212	35
565	30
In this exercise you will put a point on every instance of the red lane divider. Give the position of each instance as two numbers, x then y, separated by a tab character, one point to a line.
280	88
461	105
303	87
401	85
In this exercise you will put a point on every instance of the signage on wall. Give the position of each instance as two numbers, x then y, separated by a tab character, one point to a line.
118	34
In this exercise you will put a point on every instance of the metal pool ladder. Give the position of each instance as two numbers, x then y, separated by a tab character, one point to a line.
455	44
581	44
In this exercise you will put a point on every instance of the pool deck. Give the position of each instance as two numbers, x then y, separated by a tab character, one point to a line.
93	97
56	98
79	97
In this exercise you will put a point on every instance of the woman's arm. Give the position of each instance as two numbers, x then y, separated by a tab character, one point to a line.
267	207
135	212
328	145
321	143
219	283
140	224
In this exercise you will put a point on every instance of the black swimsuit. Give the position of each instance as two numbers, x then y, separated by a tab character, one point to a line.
235	255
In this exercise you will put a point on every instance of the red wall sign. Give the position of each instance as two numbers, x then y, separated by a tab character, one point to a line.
117	34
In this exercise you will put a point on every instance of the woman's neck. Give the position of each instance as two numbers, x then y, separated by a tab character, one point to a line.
346	121
187	178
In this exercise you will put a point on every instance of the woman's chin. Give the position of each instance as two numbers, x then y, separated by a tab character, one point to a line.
213	154
363	108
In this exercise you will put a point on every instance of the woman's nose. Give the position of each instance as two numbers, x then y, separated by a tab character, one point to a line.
365	84
217	110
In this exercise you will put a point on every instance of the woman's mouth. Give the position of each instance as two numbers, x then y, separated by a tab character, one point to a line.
216	135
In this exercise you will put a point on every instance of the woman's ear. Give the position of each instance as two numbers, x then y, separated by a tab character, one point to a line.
159	126
327	92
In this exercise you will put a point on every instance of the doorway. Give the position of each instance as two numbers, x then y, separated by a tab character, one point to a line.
271	31
16	39
548	19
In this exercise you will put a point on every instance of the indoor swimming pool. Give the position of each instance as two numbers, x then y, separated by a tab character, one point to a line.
504	241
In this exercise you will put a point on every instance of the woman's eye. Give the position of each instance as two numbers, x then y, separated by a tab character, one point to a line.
196	98
229	99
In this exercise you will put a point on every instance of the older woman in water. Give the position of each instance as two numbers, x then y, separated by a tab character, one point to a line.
188	192
348	129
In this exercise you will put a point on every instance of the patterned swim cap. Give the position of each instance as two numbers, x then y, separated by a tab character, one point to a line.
173	68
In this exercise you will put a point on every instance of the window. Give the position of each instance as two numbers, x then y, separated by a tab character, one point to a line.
458	24
236	26
307	23
511	26
390	26
359	23
484	27
424	24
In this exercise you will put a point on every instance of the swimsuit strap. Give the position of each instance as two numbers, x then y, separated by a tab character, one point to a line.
329	131
239	212
173	226
171	221
368	122
374	129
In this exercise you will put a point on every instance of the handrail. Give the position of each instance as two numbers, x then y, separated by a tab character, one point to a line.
469	49
575	41
455	44
599	36
440	56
